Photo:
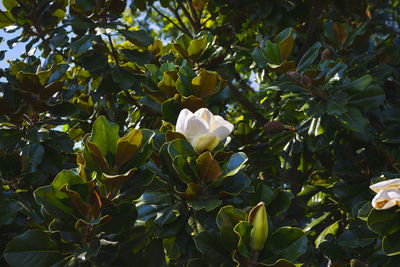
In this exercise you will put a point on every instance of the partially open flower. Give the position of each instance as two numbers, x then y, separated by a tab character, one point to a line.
202	129
388	194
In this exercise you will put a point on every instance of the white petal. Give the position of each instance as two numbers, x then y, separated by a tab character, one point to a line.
221	132
205	114
386	199
219	121
195	127
183	117
389	184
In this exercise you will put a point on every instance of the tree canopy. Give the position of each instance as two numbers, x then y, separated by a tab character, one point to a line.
200	133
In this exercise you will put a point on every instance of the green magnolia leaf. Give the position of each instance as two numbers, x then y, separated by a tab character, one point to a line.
228	217
369	99
6	19
46	197
208	244
180	147
205	203
323	236
287	243
259	57
243	229
309	57
83	44
139	38
184	170
280	204
390	244
32	248
124	78
140	58
170	108
94	61
234	164
383	222
9	210
9	4
354	120
316	221
361	83
105	137
272	52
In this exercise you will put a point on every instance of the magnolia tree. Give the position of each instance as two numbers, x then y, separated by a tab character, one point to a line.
200	133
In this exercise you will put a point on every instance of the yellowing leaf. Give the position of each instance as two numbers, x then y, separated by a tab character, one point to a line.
114	181
209	167
168	83
97	156
340	33
204	84
127	146
197	47
286	46
199	4
192	103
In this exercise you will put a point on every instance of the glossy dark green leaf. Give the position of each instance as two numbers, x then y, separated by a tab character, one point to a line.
234	164
383	222
140	37
327	234
170	110
94	61
140	58
287	243
354	120
309	57
390	244
32	248
83	44
243	229
228	217
207	243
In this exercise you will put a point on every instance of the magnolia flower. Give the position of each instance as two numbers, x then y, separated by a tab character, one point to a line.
388	194
202	129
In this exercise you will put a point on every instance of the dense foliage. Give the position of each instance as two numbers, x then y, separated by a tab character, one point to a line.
94	171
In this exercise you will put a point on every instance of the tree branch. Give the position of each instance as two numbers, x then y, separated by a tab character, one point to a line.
196	18
245	103
189	17
182	29
316	12
178	18
113	51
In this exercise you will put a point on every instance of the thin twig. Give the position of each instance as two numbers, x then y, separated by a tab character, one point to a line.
196	18
113	51
188	16
182	29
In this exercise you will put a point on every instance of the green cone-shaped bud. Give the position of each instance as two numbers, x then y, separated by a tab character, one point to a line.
259	233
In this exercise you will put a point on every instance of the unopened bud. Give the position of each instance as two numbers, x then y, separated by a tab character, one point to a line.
259	221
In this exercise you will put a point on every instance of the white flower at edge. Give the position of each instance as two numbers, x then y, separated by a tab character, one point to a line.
202	129
388	194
